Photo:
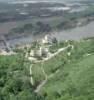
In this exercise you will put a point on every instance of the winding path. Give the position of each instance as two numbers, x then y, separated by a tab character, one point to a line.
44	82
31	78
51	75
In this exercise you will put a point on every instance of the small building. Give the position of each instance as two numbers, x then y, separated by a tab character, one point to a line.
44	52
48	39
41	52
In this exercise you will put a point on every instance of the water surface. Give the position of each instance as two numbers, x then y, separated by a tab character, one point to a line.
71	34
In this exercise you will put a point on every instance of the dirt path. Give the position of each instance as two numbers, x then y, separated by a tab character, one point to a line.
44	82
46	79
31	78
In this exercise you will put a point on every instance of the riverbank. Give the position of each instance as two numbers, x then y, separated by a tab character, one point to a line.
70	34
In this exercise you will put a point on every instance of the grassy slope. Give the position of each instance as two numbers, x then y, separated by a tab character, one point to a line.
73	82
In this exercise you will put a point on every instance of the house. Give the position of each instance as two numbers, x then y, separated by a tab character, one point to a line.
48	39
41	52
44	51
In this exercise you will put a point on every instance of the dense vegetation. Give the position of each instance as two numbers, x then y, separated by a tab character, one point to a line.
14	79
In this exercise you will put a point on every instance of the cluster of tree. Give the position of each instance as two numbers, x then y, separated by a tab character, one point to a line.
14	79
34	29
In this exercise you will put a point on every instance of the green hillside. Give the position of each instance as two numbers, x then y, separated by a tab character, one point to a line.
63	77
69	77
73	82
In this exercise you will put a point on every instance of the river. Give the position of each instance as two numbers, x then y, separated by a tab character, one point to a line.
76	33
71	34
